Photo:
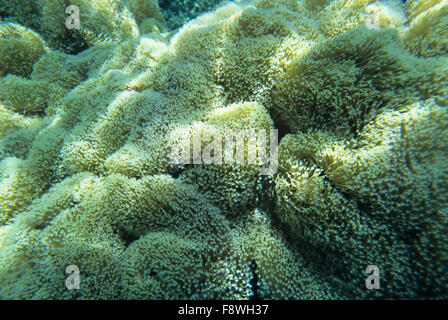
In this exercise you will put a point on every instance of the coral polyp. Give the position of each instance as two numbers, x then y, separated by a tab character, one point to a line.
357	91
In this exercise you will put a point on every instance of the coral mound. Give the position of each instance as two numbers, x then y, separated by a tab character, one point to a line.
88	120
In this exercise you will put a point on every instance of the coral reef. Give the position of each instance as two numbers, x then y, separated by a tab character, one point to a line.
20	48
177	13
100	21
89	119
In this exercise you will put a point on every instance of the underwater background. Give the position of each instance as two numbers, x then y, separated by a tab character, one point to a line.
95	95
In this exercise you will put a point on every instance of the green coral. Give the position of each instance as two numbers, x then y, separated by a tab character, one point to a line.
377	198
101	21
20	48
86	176
177	13
427	35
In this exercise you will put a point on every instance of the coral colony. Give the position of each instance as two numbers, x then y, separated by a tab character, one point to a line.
118	179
